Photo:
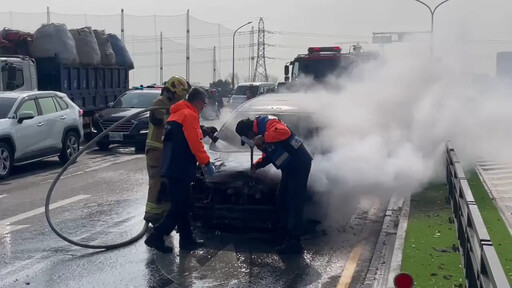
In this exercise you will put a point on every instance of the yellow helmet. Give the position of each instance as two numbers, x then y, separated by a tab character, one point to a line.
178	85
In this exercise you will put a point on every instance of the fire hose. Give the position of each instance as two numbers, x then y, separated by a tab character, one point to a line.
73	160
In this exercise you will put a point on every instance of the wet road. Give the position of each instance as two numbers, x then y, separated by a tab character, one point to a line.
101	200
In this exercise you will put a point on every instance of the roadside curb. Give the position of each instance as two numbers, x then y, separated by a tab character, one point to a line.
387	259
396	260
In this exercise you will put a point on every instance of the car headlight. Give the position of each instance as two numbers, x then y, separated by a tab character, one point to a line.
144	131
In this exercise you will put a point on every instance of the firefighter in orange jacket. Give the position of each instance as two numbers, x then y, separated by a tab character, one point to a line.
286	151
182	150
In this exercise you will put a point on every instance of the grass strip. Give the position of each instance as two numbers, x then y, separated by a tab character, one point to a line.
498	231
431	252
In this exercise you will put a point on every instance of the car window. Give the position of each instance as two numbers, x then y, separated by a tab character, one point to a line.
61	104
47	106
242	90
6	106
29	106
136	99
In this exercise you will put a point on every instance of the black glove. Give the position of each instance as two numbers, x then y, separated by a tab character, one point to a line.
209	131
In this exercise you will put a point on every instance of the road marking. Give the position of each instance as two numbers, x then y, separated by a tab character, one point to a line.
4	224
1	196
96	167
350	267
11	228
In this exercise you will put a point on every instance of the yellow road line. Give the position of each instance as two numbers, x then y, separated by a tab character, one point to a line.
350	267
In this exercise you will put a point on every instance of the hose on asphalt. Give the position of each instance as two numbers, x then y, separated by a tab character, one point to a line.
73	160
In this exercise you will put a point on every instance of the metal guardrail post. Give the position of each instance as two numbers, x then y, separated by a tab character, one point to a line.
482	267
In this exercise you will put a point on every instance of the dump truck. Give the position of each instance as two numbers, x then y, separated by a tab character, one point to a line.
91	87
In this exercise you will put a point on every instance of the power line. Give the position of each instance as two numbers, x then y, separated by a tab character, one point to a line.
177	51
200	36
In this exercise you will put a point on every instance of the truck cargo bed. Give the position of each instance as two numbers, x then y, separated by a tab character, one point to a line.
89	87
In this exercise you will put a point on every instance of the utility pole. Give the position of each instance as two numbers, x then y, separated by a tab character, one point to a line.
214	64
188	47
251	51
48	20
161	59
432	13
220	54
233	71
122	25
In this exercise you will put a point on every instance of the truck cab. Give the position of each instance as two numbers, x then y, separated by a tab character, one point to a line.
322	62
18	73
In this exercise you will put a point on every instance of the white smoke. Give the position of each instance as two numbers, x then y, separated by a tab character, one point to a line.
386	129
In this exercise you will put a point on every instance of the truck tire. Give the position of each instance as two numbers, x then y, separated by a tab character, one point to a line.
70	147
6	160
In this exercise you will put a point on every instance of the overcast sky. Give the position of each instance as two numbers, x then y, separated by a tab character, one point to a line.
474	29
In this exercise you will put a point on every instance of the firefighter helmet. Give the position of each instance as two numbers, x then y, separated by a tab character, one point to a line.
178	85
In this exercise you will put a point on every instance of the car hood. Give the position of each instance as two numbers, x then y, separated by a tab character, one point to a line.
232	170
118	113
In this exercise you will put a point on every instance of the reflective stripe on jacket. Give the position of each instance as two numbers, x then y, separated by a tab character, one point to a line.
156	132
281	144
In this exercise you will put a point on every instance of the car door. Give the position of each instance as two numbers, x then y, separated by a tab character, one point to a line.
51	124
64	115
28	134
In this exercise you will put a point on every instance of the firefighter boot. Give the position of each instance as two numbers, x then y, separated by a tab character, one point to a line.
290	246
157	242
189	243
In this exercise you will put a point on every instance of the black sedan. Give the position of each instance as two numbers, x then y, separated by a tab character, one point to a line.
132	133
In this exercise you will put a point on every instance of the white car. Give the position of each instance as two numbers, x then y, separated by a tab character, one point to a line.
36	125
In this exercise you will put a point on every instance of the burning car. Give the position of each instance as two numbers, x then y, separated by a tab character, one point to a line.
233	196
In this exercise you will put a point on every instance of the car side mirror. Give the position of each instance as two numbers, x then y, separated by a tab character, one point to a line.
286	70
25	115
109	105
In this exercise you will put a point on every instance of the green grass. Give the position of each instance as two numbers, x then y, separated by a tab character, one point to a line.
431	252
498	231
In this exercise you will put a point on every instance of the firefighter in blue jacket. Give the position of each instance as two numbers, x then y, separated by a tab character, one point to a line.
286	151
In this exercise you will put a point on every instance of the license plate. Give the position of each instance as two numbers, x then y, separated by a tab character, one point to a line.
113	136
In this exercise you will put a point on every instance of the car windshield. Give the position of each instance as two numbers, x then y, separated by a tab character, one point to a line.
6	106
318	68
242	90
136	99
300	123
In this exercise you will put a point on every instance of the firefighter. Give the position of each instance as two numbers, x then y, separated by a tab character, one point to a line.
175	89
182	151
286	151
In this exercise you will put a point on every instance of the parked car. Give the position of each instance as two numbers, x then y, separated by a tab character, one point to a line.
255	89
131	133
36	125
233	196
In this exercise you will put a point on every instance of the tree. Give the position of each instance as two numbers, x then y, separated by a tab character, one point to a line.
224	87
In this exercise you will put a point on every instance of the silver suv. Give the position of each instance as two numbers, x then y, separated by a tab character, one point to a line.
36	125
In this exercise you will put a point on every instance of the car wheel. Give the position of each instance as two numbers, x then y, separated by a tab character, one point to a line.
6	160
70	147
103	146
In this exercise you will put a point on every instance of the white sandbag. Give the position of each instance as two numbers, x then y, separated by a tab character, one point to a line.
54	40
122	55
86	46
108	58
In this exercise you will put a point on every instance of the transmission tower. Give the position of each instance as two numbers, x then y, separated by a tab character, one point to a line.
260	68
